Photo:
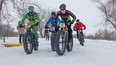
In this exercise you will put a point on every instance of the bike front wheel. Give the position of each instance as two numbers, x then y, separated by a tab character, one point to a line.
28	46
53	41
60	45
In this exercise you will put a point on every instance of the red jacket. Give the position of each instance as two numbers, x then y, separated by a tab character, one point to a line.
79	26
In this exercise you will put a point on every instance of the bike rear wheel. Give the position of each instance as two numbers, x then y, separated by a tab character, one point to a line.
70	45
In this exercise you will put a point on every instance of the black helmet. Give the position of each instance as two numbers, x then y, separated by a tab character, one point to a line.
62	6
31	8
77	20
53	13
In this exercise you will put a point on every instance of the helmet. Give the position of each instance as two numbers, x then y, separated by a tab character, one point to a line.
31	8
62	6
53	13
77	20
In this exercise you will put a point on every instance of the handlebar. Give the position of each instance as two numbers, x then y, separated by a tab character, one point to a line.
24	26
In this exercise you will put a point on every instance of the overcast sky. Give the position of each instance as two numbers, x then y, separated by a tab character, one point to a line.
85	10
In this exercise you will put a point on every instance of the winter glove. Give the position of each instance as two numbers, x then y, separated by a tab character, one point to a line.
84	28
20	25
75	29
73	21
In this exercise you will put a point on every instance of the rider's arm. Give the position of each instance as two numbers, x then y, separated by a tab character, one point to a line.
24	17
82	24
58	20
37	20
48	21
71	14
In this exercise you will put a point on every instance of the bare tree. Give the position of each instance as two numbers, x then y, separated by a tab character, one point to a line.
108	11
1	3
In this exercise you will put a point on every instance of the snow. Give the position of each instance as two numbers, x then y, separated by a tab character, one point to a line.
95	52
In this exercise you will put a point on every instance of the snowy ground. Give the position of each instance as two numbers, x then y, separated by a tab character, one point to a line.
95	52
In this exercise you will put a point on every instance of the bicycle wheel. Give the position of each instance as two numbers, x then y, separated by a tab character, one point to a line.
60	45
81	40
53	41
28	47
70	45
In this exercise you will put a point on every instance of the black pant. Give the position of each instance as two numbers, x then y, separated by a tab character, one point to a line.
69	32
21	38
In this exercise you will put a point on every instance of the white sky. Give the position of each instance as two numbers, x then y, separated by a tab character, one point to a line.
85	10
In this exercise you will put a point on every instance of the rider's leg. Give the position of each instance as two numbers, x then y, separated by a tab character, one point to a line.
82	35
77	34
69	32
35	33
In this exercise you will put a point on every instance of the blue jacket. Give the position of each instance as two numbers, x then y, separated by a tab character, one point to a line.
52	21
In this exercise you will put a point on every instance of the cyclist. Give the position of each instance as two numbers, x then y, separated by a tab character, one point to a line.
33	21
65	16
79	26
54	22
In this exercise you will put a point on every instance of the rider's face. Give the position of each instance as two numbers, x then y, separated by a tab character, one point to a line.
53	16
78	22
63	11
31	10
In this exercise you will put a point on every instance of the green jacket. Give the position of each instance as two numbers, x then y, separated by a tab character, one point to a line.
33	18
